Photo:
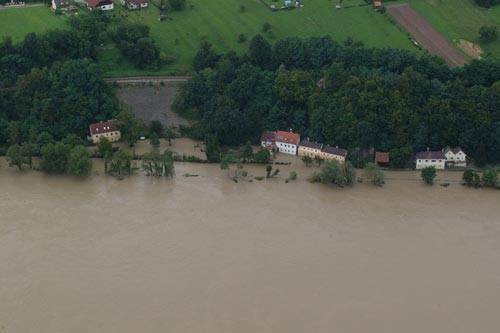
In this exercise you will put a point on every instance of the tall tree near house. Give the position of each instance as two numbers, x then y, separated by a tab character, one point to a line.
79	162
260	52
130	126
104	147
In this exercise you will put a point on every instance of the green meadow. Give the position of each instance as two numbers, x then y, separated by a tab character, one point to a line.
17	22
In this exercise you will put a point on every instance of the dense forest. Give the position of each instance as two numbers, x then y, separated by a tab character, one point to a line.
345	95
50	84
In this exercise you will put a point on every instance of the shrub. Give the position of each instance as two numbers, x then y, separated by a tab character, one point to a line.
428	175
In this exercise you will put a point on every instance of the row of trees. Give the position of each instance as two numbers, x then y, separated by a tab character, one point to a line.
345	95
55	158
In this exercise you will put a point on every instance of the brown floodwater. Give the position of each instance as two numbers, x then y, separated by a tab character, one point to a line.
205	254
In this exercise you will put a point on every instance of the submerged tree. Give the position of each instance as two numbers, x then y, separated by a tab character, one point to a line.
79	162
428	175
121	164
373	174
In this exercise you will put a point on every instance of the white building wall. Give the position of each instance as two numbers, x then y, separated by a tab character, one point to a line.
438	164
286	148
106	7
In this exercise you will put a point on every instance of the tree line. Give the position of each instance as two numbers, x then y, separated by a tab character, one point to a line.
346	95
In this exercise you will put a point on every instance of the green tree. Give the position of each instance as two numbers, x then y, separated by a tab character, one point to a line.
373	174
247	152
28	151
269	169
154	141
260	52
307	160
15	157
488	33
121	164
79	162
334	173
104	147
177	4
428	175
226	161
490	178
54	157
262	156
169	134
212	150
156	127
471	178
130	126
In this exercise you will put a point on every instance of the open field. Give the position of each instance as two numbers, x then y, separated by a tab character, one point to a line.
426	34
17	22
460	19
152	103
221	22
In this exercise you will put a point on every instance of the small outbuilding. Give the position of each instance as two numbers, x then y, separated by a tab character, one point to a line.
382	158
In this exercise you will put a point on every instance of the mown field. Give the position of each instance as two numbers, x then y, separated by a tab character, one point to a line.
17	22
460	19
221	22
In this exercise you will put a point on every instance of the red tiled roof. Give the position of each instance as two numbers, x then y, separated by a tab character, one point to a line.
287	137
97	3
381	157
103	127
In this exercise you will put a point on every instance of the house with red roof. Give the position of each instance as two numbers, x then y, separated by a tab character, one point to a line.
285	142
104	129
430	158
99	4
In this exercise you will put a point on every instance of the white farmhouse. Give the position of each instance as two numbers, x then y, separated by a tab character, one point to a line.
455	157
429	158
287	142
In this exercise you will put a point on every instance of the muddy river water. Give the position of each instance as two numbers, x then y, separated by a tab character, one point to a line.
204	254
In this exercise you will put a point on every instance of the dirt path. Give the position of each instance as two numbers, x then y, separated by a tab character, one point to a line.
134	80
426	34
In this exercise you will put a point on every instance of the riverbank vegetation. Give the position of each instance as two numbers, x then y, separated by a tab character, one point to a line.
346	95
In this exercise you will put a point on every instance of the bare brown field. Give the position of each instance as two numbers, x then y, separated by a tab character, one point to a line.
425	34
152	103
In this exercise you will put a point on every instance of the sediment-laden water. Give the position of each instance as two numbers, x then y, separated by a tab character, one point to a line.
205	254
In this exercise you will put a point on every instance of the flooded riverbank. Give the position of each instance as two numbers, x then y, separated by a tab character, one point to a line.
204	254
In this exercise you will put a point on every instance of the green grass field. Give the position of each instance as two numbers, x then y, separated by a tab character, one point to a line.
221	21
460	19
17	22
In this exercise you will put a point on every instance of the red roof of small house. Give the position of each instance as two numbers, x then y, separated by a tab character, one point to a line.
268	137
103	127
287	137
98	3
381	157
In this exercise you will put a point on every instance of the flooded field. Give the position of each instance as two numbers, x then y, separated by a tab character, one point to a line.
205	254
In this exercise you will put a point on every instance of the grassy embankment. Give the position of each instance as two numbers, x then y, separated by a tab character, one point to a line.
460	19
220	23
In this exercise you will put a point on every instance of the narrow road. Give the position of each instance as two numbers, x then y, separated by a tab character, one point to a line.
147	79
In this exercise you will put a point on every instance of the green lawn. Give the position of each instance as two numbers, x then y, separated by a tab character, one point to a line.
460	19
221	21
17	22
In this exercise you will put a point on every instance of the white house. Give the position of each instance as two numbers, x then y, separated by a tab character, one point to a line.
287	142
429	158
455	157
284	142
104	129
100	4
